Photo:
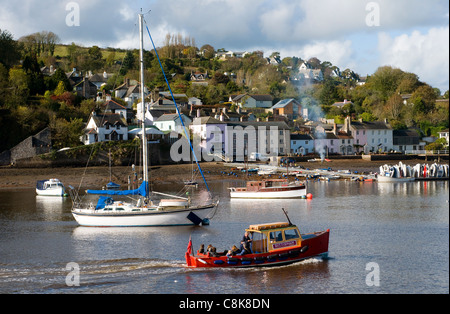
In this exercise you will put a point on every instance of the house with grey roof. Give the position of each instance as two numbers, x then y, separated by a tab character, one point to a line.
105	127
302	144
289	108
252	101
130	91
172	122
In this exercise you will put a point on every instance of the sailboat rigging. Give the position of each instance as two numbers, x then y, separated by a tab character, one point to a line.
171	211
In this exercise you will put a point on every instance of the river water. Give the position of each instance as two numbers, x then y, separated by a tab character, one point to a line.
385	238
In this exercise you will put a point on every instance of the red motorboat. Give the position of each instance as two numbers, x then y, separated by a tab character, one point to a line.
272	244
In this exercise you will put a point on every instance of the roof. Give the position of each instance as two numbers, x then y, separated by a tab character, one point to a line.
148	130
111	105
207	120
377	125
267	226
110	118
283	103
255	97
170	117
297	137
281	125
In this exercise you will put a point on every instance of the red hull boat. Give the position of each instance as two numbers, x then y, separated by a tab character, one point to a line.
273	244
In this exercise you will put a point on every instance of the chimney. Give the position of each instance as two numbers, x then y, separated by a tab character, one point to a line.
198	113
127	82
105	75
222	118
335	128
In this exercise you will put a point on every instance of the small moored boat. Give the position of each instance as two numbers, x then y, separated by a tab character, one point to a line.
275	188
273	244
50	187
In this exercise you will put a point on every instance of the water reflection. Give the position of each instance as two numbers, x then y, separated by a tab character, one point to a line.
369	222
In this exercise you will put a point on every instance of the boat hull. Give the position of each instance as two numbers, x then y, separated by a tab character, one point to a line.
391	179
291	192
148	218
51	192
312	245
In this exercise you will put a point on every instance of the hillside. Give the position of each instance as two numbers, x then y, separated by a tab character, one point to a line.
31	100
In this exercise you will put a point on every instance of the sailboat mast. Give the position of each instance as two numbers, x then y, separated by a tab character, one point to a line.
144	136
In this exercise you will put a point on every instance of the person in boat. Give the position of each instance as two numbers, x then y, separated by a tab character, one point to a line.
233	251
202	249
246	240
211	250
246	249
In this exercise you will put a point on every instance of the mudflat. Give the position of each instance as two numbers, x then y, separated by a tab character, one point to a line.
11	177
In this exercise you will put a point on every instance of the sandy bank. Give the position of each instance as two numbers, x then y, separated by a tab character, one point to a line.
99	176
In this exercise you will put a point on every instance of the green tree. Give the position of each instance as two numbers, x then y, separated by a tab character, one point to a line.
9	49
423	99
19	90
386	80
128	63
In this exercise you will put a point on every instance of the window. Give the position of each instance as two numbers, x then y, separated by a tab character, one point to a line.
276	236
290	234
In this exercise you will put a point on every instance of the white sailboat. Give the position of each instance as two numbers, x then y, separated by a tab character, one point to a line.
172	211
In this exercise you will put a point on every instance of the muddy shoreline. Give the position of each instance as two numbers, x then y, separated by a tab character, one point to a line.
11	177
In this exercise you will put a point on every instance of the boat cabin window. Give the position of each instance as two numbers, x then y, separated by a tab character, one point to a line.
291	234
259	242
276	236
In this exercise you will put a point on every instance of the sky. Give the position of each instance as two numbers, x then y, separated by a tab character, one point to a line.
361	35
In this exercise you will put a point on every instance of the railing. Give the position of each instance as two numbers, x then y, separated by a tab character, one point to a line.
426	152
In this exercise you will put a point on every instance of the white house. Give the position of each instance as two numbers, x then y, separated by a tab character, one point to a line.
105	127
379	137
172	122
130	91
241	139
195	101
444	134
302	144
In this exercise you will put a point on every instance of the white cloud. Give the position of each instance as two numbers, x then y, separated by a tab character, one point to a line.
339	53
425	54
334	31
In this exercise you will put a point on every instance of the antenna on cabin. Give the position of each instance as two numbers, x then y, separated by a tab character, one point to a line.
285	212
